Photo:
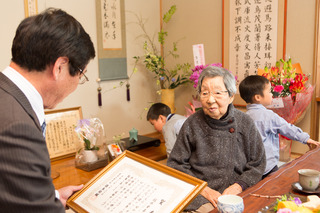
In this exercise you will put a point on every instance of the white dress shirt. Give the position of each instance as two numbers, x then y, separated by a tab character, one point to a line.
29	91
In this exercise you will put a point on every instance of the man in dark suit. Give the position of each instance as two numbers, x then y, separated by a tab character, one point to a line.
50	54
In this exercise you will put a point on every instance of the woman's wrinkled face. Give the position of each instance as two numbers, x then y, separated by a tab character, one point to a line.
214	97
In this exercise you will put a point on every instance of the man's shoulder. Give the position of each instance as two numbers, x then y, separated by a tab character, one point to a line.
10	108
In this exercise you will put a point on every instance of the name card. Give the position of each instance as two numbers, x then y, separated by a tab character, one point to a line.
198	54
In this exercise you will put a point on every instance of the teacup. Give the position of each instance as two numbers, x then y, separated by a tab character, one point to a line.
230	204
309	179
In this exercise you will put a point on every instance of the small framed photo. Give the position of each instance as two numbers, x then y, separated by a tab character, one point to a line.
133	183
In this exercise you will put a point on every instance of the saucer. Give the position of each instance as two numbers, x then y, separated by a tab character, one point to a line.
296	186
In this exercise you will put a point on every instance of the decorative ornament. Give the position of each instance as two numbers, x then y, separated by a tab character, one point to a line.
128	91
99	93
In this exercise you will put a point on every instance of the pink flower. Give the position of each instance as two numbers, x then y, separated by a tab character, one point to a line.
278	88
284	210
197	71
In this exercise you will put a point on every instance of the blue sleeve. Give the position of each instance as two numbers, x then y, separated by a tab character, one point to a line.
289	130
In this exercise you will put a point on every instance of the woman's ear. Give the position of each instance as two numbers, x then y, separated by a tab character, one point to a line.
231	99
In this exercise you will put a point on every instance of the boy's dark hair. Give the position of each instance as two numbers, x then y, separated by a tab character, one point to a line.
251	86
158	109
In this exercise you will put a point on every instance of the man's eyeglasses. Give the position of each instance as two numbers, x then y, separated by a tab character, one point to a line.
216	94
83	78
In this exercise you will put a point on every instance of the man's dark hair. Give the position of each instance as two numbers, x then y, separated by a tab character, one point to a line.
251	86
158	109
41	39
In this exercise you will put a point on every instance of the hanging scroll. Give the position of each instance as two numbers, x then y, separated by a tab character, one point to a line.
30	7
111	39
253	34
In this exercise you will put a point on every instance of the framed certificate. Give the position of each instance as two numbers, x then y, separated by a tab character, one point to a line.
133	183
60	135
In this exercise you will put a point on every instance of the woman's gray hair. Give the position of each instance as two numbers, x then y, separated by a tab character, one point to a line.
213	71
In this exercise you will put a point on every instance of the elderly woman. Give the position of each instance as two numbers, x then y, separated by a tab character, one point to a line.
218	144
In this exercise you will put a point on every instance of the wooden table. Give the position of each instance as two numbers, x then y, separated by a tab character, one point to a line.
70	175
279	183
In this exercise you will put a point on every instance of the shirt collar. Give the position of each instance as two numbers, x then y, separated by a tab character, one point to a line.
255	106
29	91
169	116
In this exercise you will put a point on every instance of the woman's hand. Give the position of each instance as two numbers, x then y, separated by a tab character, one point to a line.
211	195
232	190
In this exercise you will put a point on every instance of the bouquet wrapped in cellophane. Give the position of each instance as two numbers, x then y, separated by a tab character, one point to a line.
293	111
291	96
92	151
291	92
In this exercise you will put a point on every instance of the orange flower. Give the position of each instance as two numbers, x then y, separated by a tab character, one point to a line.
284	79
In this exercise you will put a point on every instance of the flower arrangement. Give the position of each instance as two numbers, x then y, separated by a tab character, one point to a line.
292	87
196	71
92	151
284	202
294	205
155	61
90	133
285	80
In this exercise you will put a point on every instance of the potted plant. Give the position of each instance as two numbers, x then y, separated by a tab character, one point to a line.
90	134
154	60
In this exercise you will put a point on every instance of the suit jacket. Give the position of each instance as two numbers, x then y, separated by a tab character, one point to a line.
25	171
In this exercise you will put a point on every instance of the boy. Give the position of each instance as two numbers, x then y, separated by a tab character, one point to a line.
159	115
256	91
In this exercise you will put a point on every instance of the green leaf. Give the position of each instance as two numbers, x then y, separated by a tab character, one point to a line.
161	36
86	144
167	16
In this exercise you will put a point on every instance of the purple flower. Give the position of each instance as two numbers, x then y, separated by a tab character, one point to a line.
84	122
161	78
81	123
297	201
173	79
197	71
194	76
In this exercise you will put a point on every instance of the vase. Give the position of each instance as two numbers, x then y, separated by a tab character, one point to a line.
285	149
90	156
167	98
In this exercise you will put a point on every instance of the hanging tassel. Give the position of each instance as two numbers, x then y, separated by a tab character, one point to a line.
99	93
99	96
128	91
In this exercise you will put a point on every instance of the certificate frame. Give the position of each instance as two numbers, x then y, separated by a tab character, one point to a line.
68	117
79	200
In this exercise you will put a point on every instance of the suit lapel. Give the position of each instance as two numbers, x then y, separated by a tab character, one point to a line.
8	86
